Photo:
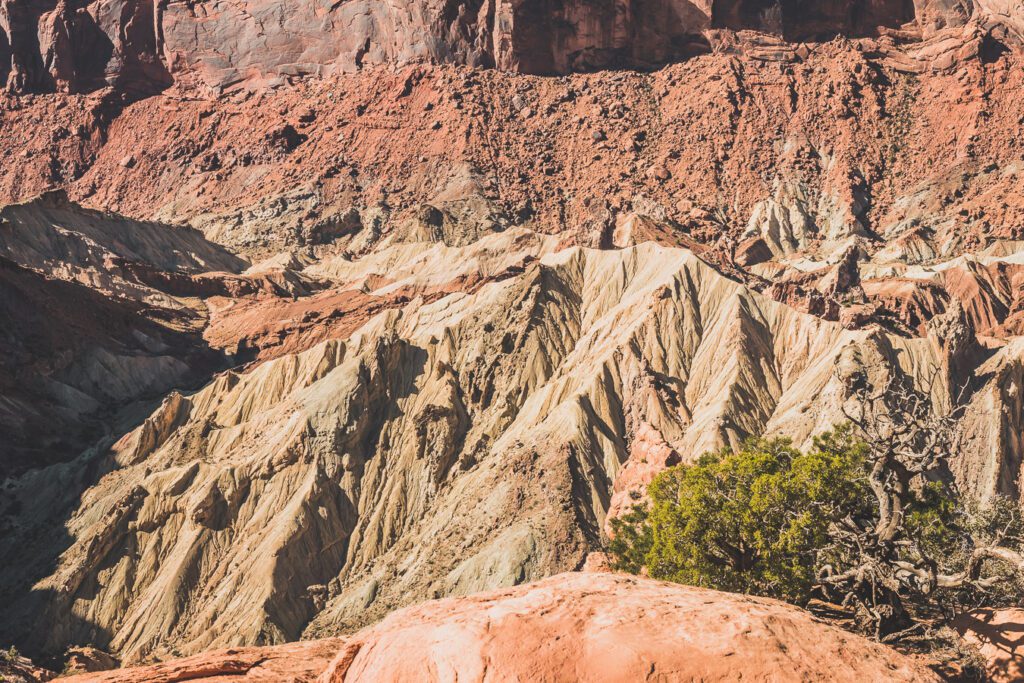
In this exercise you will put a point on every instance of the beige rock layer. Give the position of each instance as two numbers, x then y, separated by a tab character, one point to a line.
450	446
65	241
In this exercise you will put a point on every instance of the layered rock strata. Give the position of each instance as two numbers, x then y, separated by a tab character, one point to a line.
448	445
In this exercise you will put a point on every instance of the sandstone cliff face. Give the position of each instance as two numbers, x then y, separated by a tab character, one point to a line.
469	313
141	47
80	47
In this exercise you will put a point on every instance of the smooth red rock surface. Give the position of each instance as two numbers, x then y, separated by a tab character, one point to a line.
595	627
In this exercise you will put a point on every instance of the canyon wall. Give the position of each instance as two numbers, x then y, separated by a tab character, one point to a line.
459	441
308	317
140	47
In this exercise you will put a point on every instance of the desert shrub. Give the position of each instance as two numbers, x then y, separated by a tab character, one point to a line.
749	521
870	530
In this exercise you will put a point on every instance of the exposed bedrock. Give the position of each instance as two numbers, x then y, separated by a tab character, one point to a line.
73	46
141	46
595	627
449	445
82	335
799	20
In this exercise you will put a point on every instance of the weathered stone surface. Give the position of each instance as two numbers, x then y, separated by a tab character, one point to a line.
467	441
596	627
78	47
88	660
300	662
19	669
479	310
140	47
83	335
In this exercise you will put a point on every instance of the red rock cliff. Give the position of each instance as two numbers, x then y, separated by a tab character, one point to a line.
141	46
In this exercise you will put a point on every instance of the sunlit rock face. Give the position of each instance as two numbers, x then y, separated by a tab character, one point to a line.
312	312
593	626
141	47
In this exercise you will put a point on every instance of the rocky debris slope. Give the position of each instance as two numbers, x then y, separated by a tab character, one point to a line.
102	312
904	294
593	627
17	669
823	150
993	425
399	270
446	446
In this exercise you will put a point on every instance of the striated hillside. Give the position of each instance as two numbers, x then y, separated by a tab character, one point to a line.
312	312
449	445
84	332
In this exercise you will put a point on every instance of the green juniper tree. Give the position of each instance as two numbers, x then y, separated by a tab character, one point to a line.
749	521
867	520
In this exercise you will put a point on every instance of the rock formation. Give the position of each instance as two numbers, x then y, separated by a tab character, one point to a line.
310	312
815	137
301	662
70	356
140	48
85	332
997	635
447	445
593	627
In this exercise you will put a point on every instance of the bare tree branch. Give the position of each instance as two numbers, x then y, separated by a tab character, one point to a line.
879	566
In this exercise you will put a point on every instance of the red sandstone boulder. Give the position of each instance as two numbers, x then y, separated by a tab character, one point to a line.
571	627
609	627
17	669
88	660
